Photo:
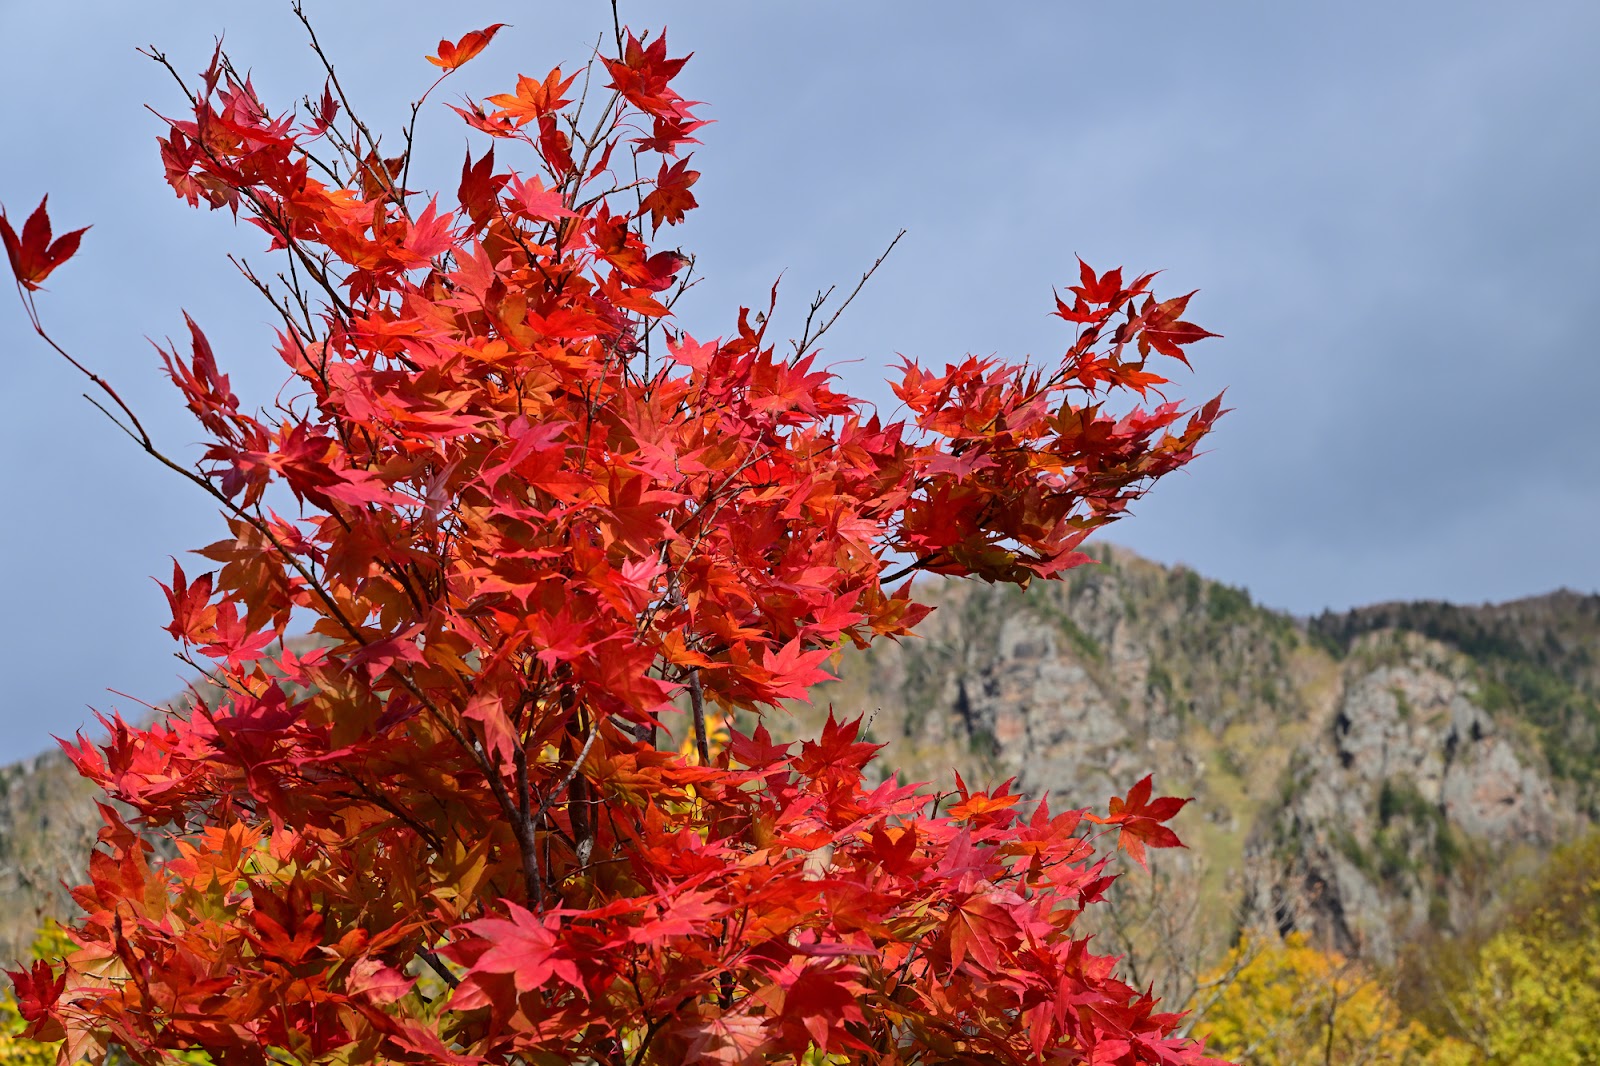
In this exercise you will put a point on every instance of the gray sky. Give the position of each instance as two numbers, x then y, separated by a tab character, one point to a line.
1389	209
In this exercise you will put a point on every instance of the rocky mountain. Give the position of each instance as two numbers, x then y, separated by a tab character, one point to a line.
48	824
1362	776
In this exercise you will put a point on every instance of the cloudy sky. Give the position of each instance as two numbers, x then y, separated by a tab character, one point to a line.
1389	209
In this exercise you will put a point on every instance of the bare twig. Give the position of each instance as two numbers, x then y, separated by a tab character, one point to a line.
807	338
381	172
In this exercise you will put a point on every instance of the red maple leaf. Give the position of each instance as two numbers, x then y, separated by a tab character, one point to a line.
38	988
671	196
1140	820
526	947
34	255
193	616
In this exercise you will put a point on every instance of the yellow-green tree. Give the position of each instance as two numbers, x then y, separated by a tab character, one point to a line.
1288	1004
1534	998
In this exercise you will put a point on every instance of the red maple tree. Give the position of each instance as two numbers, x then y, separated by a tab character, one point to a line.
528	514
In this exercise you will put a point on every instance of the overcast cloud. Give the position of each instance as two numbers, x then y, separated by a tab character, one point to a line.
1389	209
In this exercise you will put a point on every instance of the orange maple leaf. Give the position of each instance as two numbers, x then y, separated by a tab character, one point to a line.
454	55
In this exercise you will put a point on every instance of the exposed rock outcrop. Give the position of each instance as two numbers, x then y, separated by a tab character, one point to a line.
1411	778
48	823
1355	780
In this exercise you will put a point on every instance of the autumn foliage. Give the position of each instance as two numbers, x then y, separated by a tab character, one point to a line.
526	513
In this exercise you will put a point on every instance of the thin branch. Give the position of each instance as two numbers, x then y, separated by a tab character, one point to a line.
807	338
411	129
382	172
616	27
577	765
437	966
922	563
138	432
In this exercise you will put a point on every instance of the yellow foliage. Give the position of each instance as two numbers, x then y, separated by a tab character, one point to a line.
1530	997
1289	1004
1535	997
717	737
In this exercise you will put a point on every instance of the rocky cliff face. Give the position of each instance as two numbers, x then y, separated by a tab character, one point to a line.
48	824
1360	776
1392	811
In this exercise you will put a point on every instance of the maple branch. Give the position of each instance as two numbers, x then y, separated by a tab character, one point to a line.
318	272
573	118
330	169
528	848
400	578
218	679
653	1025
393	808
346	151
716	498
807	338
519	756
582	205
148	445
581	814
115	421
416	596
260	207
411	129
437	965
284	312
261	527
581	167
292	283
526	826
380	171
571	775
925	561
142	436
698	702
616	26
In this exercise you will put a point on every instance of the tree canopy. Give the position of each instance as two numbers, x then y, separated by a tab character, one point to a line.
524	513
